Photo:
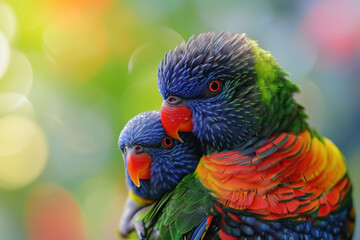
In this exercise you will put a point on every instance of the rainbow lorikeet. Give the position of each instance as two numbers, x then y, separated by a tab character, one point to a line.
154	163
264	173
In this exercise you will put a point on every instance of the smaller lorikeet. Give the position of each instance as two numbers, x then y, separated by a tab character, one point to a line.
154	163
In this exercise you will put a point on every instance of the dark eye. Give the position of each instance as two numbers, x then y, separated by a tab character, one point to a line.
167	142
214	86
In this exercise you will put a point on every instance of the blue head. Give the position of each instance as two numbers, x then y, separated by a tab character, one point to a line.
154	162
224	89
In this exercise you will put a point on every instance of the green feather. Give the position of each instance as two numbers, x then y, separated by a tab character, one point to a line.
278	110
179	212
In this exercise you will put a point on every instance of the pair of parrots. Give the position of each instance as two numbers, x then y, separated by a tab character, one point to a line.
230	155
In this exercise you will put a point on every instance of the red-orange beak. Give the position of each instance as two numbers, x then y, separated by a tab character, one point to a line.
175	118
138	166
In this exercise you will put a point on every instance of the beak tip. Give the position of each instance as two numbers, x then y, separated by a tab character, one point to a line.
136	181
175	135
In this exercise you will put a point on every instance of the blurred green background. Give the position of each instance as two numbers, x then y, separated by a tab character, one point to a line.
73	72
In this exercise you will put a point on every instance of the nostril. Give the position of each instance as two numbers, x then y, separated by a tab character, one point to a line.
172	100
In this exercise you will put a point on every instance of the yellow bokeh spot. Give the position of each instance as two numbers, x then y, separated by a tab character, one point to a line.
15	134
76	44
18	76
7	21
13	103
4	54
23	151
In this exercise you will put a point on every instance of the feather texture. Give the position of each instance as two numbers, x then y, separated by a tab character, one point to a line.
278	193
287	177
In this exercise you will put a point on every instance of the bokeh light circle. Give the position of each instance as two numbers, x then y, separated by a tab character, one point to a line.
14	103
143	66
5	54
7	21
15	135
23	151
53	213
334	27
146	58
18	77
76	44
138	56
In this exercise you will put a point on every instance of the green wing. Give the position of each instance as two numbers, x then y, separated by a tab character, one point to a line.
179	213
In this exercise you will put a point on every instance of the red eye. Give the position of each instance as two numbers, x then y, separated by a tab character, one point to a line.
214	86
138	149
172	99
168	142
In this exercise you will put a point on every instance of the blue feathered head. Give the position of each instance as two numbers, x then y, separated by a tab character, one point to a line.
154	162
226	90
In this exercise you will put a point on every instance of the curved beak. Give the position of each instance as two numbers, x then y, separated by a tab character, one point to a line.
138	166
175	118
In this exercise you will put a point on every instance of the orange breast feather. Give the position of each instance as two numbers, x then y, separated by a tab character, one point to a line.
288	176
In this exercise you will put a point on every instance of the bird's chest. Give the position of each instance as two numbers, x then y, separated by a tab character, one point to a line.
285	177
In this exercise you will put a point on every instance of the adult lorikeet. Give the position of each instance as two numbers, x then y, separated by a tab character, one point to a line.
265	173
154	163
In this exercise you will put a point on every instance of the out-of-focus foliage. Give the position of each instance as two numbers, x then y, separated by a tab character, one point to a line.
73	72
